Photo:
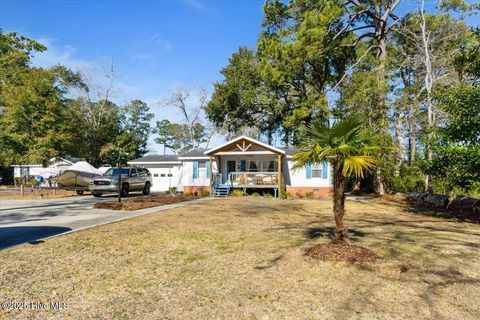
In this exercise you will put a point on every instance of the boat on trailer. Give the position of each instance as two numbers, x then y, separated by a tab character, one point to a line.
77	177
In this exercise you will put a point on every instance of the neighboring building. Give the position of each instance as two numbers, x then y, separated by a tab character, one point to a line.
27	170
242	163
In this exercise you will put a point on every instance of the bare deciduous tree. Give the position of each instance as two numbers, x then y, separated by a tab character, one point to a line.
192	103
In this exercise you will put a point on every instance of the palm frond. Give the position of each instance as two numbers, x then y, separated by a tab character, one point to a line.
315	155
318	132
358	165
346	144
346	127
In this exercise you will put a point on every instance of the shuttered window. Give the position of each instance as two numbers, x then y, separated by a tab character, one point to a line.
195	169
325	170
317	170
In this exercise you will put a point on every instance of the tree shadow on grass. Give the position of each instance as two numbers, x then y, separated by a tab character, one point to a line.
271	263
443	213
12	236
328	232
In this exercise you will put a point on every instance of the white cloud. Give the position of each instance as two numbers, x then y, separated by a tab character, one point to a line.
95	73
63	55
145	56
155	45
161	43
152	90
195	4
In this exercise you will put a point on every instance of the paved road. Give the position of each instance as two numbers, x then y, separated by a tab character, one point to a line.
28	221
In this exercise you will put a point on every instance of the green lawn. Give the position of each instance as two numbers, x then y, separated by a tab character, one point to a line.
243	258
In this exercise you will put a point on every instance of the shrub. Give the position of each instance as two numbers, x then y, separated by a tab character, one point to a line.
284	190
255	194
289	195
204	193
267	195
195	193
309	195
237	193
409	179
187	194
300	195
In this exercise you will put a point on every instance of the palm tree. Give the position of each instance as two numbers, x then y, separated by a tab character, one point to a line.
349	150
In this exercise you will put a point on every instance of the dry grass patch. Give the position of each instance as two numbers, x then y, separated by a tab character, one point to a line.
131	204
244	258
37	194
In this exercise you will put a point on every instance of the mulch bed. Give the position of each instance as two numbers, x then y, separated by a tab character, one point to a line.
142	202
341	252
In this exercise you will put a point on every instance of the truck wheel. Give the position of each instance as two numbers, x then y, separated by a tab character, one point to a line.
125	190
79	192
96	194
146	189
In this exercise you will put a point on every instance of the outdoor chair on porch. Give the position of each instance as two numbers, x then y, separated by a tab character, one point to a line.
259	179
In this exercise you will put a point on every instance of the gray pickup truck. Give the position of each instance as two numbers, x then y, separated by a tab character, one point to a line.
132	179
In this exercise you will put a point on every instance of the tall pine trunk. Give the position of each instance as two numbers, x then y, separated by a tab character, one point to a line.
412	139
429	82
400	143
339	206
381	106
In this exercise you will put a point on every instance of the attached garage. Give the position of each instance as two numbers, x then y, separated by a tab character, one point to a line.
166	171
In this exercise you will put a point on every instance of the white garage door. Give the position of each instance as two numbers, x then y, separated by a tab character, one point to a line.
163	179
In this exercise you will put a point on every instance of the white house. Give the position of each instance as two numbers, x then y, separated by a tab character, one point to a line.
242	163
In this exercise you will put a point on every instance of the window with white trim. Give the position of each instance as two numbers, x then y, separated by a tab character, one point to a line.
202	168
253	165
317	170
270	166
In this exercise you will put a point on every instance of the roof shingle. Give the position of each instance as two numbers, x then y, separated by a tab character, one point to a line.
156	158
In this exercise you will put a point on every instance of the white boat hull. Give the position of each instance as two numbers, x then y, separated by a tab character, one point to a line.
74	180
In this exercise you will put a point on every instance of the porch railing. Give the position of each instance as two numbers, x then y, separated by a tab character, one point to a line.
217	179
252	179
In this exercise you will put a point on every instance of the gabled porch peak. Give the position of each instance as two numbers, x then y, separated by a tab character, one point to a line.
244	145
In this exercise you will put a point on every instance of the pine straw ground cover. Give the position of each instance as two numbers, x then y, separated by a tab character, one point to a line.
244	258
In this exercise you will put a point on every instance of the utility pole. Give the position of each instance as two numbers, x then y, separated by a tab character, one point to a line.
119	179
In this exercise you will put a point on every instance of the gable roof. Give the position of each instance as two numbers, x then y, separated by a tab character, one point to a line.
291	151
199	152
156	158
251	140
202	153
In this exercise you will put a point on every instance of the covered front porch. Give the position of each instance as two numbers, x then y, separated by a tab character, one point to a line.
245	163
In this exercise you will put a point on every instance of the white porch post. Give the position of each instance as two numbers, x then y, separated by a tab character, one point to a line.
279	157
211	175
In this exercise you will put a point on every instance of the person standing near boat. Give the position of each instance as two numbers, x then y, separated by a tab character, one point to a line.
39	181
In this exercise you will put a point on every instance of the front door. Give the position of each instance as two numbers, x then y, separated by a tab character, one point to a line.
231	167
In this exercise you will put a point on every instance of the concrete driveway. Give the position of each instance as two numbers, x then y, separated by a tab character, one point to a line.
28	221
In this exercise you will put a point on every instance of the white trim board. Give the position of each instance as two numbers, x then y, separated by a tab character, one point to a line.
260	143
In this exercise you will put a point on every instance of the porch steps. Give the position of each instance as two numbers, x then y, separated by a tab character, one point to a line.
221	191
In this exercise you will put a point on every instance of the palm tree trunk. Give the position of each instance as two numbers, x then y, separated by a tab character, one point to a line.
339	206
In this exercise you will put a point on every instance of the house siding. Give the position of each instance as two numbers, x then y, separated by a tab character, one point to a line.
200	183
299	179
296	182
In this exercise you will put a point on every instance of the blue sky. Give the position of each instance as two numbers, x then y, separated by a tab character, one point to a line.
156	46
